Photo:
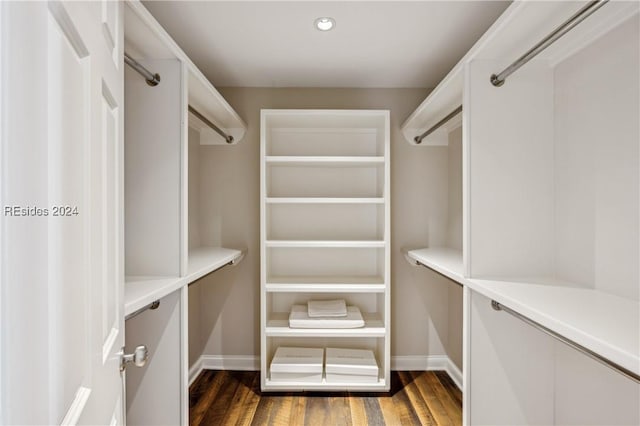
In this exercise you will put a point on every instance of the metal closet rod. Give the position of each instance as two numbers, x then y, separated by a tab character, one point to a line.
153	305
418	139
498	79
438	272
151	78
215	128
602	360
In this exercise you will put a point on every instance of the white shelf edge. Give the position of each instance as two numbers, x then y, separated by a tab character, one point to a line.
278	326
305	386
324	288
514	295
323	244
140	291
444	260
204	260
324	200
328	160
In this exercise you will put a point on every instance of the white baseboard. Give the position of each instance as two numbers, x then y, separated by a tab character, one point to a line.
454	372
398	363
195	370
428	363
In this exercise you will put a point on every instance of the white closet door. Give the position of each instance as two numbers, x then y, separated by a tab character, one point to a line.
62	273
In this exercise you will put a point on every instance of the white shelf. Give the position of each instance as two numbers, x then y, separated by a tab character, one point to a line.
323	200
146	39
324	244
337	161
140	291
325	284
380	385
606	324
204	260
278	326
521	25
444	260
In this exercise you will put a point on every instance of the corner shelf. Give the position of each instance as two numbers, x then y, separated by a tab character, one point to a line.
204	260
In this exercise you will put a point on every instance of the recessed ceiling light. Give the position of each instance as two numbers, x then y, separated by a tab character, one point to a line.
325	23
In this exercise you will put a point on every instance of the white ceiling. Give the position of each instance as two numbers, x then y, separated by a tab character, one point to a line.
374	43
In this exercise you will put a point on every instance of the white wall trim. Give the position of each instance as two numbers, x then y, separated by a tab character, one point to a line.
195	370
455	373
398	363
419	362
223	362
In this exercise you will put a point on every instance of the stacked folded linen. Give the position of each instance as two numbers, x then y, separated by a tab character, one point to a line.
327	308
299	318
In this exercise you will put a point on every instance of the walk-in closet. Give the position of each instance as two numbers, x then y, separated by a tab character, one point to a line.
320	212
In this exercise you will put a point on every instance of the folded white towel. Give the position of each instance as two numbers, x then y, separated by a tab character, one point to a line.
299	318
327	308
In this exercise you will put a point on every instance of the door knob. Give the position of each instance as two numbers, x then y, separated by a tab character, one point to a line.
139	357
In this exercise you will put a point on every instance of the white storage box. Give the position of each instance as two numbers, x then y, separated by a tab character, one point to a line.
350	365
297	364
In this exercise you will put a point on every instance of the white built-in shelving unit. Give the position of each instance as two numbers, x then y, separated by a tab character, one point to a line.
550	215
160	208
325	231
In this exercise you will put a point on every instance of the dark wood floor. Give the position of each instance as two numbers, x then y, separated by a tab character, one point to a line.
234	398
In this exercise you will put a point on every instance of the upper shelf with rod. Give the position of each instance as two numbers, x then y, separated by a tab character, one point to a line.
509	41
208	112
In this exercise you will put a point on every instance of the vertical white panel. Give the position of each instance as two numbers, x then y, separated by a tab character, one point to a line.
68	128
511	170
153	167
510	369
107	216
589	393
154	392
597	163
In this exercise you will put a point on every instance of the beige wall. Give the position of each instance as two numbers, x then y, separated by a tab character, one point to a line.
228	315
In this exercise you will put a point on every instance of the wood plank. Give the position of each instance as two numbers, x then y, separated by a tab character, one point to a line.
245	400
197	413
388	410
416	403
298	408
453	408
374	413
261	416
358	411
339	410
450	386
218	408
440	414
403	405
317	411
